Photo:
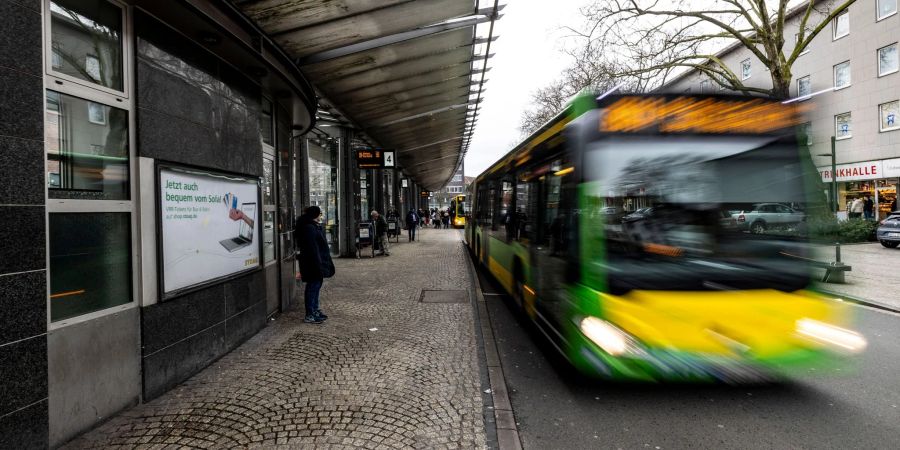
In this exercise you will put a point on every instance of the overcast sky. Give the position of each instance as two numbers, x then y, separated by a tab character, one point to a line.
527	56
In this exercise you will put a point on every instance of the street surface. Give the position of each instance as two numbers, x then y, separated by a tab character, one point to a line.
385	371
554	408
871	276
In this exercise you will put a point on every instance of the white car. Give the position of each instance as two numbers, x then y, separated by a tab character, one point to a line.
764	216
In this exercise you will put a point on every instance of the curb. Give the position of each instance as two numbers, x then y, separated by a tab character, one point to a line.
505	421
860	301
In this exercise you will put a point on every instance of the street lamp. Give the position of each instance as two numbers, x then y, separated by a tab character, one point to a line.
834	201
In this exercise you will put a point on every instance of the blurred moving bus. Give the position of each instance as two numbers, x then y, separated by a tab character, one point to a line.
611	227
458	211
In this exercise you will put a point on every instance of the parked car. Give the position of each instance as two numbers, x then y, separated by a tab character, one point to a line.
888	232
763	216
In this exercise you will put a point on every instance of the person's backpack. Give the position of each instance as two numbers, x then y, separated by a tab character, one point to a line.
410	217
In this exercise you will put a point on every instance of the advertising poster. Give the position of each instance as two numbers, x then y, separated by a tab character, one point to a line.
208	225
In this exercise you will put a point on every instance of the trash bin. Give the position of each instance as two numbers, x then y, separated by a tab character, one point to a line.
365	237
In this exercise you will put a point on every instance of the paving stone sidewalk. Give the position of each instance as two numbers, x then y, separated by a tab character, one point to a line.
873	275
384	371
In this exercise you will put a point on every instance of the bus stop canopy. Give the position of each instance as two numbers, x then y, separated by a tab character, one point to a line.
405	73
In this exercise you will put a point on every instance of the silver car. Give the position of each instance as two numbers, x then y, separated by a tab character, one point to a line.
763	216
888	231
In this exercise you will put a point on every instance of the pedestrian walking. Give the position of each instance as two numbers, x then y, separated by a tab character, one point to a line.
412	221
445	217
381	244
315	260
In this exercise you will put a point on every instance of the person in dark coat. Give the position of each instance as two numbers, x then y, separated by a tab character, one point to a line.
381	244
315	260
412	221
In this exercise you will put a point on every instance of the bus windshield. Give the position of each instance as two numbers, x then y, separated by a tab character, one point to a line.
697	213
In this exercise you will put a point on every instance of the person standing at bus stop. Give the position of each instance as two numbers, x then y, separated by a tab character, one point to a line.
381	244
412	221
315	260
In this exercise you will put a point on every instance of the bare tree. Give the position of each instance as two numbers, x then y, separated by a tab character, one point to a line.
652	39
587	72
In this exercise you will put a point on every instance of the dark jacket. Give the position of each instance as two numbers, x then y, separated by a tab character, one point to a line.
380	226
314	256
412	219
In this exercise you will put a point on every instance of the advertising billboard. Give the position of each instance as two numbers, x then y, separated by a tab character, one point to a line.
208	226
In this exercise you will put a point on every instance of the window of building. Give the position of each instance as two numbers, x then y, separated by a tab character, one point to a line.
797	42
842	25
887	59
269	209
842	75
803	86
889	115
266	128
96	115
805	131
745	69
56	57
98	243
886	8
87	37
87	149
843	126
705	86
458	177
89	161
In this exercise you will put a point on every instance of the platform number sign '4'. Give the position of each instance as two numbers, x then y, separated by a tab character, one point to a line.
389	159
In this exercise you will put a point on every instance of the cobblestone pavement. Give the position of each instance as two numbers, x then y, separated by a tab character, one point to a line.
385	370
872	276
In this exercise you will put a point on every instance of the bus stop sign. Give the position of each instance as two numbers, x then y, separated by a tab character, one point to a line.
375	159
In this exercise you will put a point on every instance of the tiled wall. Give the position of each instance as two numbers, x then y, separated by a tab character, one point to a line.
194	109
23	293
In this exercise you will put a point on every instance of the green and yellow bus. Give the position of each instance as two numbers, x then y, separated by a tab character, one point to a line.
612	228
458	211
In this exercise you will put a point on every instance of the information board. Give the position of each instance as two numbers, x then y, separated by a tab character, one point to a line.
208	227
375	159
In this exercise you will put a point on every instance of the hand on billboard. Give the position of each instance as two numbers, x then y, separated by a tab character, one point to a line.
236	214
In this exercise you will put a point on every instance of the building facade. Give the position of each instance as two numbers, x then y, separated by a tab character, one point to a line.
849	74
456	186
127	128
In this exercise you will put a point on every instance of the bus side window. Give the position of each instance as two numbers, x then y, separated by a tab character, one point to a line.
505	213
523	213
492	208
553	221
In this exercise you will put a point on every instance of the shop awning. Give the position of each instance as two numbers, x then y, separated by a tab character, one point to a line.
404	72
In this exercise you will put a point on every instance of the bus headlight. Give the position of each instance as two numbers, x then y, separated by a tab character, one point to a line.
841	338
609	338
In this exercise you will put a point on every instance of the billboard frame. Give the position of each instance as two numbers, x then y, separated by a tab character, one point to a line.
160	262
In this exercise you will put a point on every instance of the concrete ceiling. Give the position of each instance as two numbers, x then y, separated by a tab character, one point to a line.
404	71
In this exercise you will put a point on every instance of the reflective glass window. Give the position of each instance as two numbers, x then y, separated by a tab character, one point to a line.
842	75
889	115
803	86
323	184
887	59
266	129
745	69
268	190
87	149
843	126
90	262
86	37
842	25
886	8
